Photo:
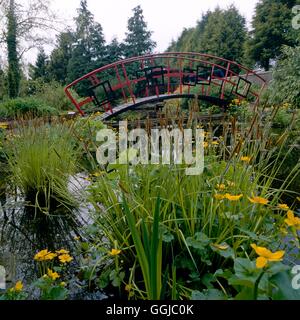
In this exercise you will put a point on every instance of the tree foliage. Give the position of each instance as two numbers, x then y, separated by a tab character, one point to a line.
13	74
138	39
272	28
89	49
40	69
221	33
286	83
60	57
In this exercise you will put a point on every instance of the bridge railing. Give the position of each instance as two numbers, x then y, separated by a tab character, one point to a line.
125	81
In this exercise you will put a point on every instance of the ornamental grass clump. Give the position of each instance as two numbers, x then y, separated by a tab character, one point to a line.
41	158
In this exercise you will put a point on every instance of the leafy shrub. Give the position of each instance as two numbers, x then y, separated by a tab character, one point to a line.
21	106
51	93
286	83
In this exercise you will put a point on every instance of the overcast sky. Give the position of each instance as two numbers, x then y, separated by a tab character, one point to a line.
166	18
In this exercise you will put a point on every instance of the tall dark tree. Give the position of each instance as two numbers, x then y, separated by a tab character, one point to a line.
40	69
89	50
13	74
60	57
272	28
219	32
138	39
2	84
114	51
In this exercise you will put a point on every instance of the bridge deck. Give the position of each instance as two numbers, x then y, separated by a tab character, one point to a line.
152	99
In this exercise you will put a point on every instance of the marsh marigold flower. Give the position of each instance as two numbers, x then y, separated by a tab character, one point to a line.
219	196
231	197
266	256
283	206
115	252
45	255
292	221
18	286
64	258
258	200
246	159
52	275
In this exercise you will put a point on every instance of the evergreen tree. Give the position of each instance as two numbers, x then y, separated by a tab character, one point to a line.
13	74
89	50
272	28
60	57
221	33
114	51
138	39
40	69
2	84
224	34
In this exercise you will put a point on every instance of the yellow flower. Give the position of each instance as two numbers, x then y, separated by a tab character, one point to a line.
219	196
266	256
50	256
233	197
64	258
283	206
215	143
52	275
44	255
62	284
258	200
246	159
18	286
115	252
62	251
292	221
205	145
221	186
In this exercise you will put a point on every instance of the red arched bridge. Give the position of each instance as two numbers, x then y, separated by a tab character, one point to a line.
130	83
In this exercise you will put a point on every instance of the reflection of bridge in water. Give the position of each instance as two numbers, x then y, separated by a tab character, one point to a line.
129	84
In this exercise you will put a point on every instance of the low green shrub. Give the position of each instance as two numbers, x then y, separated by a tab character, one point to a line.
19	107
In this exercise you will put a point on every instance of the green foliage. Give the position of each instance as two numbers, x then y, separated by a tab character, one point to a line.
114	51
221	33
60	57
272	28
40	69
32	106
286	80
89	50
13	74
51	93
138	39
204	239
40	159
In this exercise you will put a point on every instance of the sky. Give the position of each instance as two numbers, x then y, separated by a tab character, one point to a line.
166	18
